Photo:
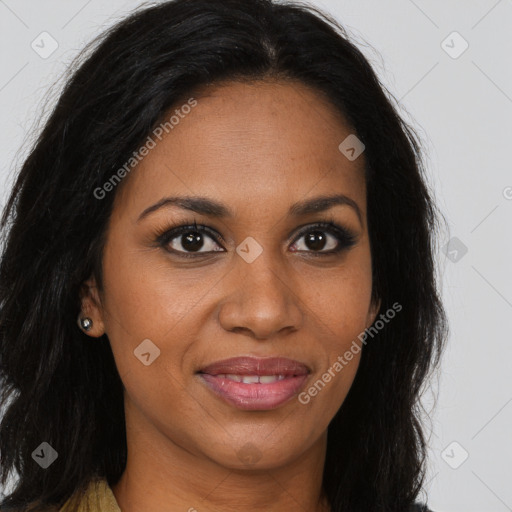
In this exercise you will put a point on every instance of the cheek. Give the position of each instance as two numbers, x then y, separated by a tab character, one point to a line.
340	307
142	303
144	294
340	299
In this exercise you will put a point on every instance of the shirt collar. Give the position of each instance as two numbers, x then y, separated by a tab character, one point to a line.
98	497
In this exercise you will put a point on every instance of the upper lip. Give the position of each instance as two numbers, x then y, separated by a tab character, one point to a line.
256	366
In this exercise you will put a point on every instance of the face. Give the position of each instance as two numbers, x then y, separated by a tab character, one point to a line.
257	277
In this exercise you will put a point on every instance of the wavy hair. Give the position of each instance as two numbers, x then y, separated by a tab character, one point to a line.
59	388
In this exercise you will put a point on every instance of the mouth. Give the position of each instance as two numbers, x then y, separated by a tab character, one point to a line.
251	383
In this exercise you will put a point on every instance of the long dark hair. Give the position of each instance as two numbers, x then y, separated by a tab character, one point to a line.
59	388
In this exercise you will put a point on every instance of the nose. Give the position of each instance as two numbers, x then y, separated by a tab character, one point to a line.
262	300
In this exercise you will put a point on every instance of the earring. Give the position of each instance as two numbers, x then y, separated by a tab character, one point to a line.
85	323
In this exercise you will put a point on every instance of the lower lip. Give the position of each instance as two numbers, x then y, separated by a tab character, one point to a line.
254	397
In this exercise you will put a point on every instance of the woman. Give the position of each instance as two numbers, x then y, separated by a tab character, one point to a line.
218	287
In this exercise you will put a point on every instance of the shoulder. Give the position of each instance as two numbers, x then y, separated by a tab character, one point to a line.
95	496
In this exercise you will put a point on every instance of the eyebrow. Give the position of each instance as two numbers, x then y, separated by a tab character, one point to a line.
212	208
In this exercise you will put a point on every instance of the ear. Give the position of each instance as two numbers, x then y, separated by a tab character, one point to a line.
372	312
91	307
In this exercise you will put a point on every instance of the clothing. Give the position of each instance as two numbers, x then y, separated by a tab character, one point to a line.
100	498
106	502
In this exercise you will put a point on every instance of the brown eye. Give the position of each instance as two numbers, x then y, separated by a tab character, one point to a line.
192	241
319	239
187	240
316	240
325	238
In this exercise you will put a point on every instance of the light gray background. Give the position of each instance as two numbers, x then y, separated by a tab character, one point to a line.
462	108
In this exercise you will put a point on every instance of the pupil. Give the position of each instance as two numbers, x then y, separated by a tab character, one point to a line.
315	240
192	241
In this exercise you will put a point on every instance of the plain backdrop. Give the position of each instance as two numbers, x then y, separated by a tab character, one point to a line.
448	64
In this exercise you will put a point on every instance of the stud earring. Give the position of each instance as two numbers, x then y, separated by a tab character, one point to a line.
85	323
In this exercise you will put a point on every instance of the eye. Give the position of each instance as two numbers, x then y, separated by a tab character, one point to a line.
324	238
187	240
320	239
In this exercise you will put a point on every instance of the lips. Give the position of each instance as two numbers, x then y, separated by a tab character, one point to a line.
258	384
257	366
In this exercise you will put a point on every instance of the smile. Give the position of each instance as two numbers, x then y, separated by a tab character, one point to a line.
254	392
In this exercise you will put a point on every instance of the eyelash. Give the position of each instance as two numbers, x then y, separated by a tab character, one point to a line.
345	237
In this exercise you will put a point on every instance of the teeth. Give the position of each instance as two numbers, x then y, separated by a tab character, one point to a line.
267	379
252	379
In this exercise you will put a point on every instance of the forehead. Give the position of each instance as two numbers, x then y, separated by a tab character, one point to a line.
249	145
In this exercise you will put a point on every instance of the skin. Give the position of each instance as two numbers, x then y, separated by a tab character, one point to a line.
257	148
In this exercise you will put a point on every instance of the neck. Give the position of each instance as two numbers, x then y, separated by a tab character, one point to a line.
161	475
